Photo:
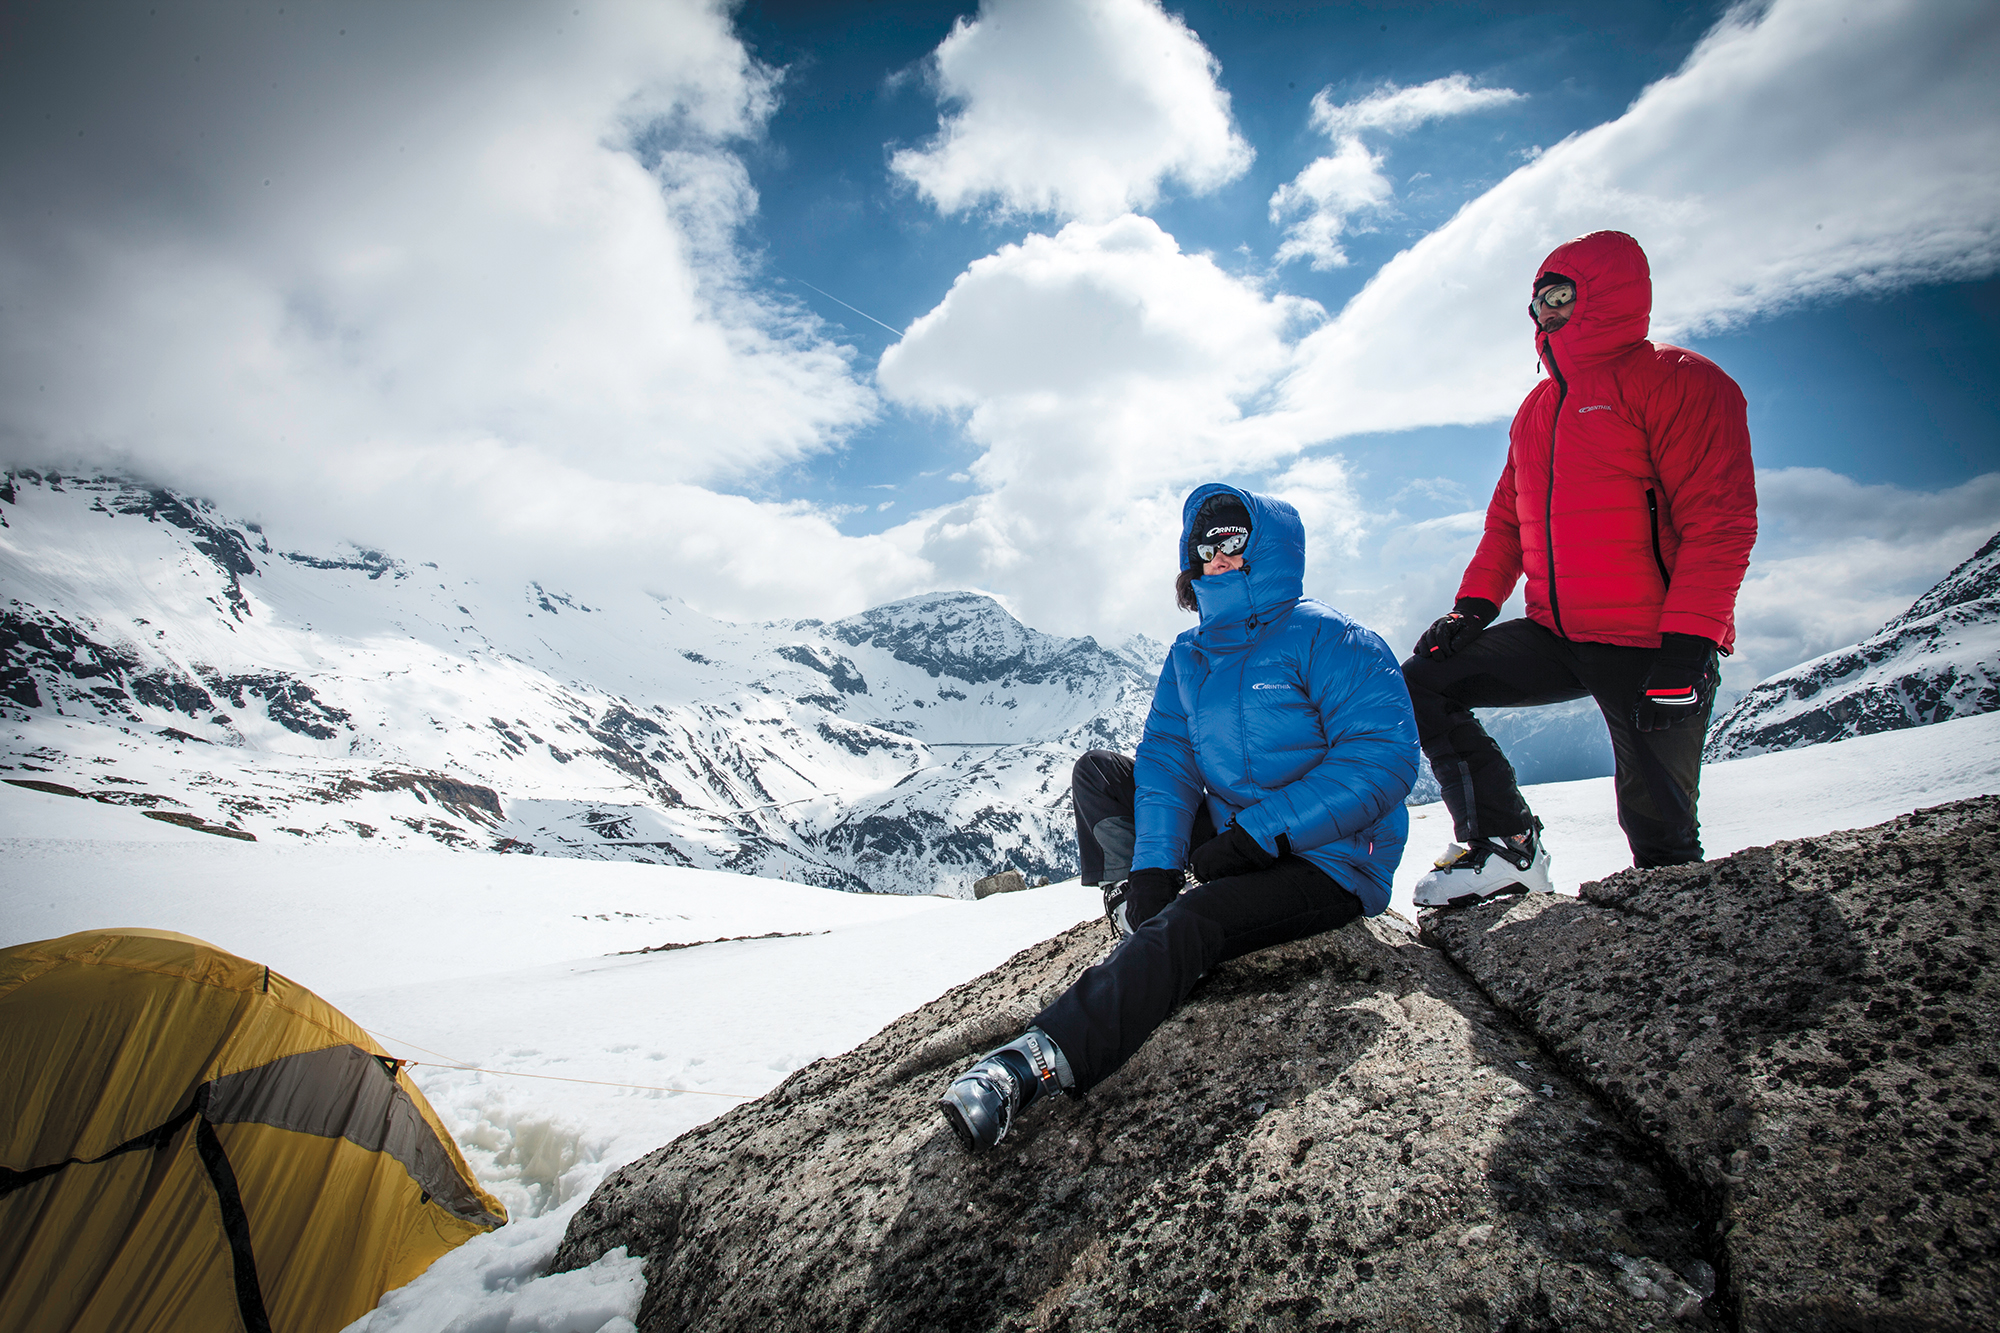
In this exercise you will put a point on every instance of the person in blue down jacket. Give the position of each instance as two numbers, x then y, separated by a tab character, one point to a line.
1279	722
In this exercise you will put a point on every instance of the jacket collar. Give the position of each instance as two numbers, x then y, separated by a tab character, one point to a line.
1236	605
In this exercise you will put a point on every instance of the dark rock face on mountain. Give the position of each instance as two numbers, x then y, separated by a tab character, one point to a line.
1807	1032
1938	660
1767	1081
1339	1133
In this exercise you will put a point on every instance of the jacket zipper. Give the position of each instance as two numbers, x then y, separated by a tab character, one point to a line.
1549	495
1653	516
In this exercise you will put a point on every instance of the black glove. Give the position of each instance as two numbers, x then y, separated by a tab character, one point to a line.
1469	615
1679	685
1133	901
1230	852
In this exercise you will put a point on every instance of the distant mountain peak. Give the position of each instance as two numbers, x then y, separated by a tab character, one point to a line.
1976	579
969	636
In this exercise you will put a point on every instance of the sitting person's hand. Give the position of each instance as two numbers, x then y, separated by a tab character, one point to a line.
1230	852
1132	902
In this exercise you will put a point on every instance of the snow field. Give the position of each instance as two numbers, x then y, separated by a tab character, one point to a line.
514	964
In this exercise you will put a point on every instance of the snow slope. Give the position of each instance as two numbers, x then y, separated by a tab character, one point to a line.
518	965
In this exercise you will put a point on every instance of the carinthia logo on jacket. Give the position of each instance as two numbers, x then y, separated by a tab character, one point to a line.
1594	407
1270	685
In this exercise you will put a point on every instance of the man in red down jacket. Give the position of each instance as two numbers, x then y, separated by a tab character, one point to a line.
1630	503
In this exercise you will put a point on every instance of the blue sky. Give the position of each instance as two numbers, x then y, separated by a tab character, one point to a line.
555	290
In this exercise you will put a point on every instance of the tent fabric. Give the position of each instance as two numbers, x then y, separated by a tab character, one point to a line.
191	1140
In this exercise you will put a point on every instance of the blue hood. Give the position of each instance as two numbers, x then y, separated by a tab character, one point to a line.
1273	577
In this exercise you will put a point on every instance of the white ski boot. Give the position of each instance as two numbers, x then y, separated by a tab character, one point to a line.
980	1105
1515	864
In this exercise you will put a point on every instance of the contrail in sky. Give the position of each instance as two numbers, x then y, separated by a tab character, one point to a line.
837	301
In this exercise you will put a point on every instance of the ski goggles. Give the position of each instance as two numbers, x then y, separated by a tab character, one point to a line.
1229	545
1556	296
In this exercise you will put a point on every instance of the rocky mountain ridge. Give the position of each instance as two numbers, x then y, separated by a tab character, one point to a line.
1938	660
156	653
1757	1094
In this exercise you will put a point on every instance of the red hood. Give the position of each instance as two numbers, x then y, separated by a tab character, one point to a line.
1614	297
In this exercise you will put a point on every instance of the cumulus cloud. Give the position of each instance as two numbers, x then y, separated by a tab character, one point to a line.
1350	180
1104	372
1076	108
1808	148
458	275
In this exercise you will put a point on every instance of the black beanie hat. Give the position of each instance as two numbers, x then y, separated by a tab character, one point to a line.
1220	515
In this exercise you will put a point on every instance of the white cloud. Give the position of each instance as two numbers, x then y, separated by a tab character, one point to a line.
1332	189
1103	371
1813	148
1398	110
468	321
453	275
1330	192
1077	108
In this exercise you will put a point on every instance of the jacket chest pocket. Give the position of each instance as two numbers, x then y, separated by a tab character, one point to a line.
1283	736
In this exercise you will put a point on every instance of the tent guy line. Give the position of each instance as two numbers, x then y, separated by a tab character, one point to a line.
450	1063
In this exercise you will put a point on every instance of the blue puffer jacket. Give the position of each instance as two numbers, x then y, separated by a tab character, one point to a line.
1287	716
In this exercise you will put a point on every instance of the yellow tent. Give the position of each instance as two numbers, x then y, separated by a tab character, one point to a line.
191	1141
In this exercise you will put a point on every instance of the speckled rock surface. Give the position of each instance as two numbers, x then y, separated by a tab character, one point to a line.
1809	1031
1335	1134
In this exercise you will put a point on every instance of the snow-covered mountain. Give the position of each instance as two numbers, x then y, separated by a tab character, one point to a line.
1938	660
157	654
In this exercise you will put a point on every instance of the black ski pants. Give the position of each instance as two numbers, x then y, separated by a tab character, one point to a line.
1519	663
1113	1007
1102	1019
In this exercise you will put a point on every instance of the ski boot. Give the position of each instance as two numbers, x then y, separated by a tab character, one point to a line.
1114	909
1516	863
980	1105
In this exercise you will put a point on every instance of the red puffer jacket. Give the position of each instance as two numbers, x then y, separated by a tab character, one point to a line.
1629	499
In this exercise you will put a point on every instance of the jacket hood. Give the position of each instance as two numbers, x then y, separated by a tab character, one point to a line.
1614	298
1273	574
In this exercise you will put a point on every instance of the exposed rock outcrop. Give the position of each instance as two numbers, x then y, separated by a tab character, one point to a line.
1780	1064
1339	1133
1808	1031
